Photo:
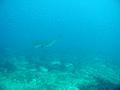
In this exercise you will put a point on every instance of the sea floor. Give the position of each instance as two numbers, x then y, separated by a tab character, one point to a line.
24	73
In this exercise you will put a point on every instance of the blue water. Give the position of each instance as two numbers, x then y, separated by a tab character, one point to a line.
82	28
85	25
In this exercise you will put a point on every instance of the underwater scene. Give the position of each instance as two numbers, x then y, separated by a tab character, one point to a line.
59	45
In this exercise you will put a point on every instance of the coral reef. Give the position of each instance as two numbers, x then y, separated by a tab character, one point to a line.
95	76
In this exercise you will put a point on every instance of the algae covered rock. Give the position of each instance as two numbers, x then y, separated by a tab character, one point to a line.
43	69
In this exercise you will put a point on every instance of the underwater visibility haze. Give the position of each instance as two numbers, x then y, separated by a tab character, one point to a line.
59	45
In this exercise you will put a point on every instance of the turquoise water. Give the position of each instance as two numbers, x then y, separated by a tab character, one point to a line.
60	45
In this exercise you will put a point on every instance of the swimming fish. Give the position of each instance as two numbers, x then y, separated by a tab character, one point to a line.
44	44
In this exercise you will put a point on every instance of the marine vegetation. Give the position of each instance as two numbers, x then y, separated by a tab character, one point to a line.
89	76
